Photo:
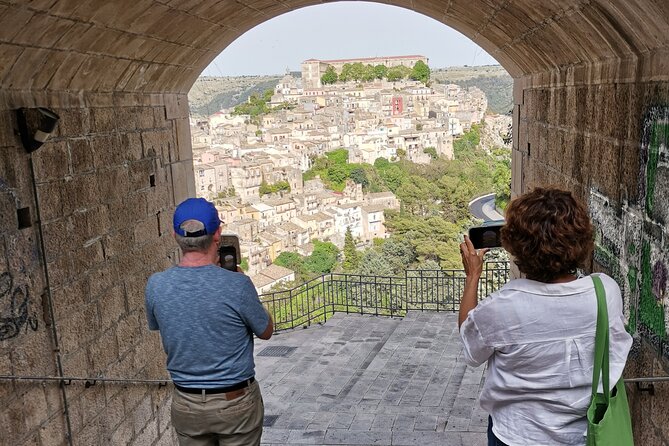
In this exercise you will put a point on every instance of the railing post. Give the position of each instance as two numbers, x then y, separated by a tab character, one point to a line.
290	302
376	296
359	288
325	306
306	296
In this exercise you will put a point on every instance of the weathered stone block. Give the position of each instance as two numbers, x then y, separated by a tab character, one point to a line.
112	306
183	139
107	151
34	407
32	354
81	156
79	193
159	117
78	327
113	185
104	120
605	168
53	431
86	258
132	144
103	351
71	296
139	173
55	238
123	434
51	161
126	211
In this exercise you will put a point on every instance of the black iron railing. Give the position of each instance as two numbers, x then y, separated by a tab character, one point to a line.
318	299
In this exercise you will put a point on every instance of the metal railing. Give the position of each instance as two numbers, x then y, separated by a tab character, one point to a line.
435	290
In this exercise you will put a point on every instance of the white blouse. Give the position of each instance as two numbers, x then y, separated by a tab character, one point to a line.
539	341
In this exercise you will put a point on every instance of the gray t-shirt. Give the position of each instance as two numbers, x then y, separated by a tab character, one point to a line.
206	316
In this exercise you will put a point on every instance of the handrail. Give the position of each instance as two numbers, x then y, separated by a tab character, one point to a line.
647	379
90	381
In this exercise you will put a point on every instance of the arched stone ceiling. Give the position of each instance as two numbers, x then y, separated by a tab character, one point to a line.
163	45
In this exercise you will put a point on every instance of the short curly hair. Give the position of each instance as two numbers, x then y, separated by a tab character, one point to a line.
549	234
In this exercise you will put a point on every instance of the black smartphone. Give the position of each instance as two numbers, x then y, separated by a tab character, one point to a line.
486	236
229	255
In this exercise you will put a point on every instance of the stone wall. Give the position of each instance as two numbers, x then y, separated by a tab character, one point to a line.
106	185
606	140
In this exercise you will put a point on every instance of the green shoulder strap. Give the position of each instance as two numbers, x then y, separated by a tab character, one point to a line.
601	366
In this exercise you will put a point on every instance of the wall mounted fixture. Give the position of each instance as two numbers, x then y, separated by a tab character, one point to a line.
35	126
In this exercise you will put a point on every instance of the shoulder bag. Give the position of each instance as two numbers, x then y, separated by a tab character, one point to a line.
609	421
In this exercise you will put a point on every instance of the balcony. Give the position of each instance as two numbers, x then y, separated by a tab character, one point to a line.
381	363
418	290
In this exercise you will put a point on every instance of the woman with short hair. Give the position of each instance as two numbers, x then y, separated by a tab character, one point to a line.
538	333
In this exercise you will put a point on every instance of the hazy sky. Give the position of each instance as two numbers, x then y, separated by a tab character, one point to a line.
344	30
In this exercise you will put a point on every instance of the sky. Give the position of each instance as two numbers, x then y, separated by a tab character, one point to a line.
344	30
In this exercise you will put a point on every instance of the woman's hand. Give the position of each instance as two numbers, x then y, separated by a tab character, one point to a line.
472	259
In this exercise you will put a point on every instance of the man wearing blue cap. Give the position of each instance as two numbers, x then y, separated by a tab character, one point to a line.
207	316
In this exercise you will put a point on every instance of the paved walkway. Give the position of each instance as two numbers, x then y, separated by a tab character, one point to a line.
365	380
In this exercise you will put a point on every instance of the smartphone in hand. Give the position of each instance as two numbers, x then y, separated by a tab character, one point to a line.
486	236
229	255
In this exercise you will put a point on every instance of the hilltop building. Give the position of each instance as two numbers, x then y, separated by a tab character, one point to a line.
313	69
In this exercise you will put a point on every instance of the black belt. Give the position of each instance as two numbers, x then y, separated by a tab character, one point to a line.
215	390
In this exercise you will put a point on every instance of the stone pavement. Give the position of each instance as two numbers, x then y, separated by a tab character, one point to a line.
366	380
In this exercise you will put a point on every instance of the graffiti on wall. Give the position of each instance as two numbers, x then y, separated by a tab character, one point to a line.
15	313
632	241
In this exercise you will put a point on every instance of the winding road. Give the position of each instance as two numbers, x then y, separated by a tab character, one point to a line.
484	208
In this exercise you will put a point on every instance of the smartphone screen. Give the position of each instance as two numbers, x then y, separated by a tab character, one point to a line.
485	236
228	252
228	257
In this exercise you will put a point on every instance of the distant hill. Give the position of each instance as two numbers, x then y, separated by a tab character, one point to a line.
492	79
209	94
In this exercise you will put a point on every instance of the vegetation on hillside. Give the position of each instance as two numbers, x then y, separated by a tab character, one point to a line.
434	201
210	94
493	80
322	260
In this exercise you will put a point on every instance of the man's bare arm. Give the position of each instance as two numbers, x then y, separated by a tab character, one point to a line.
269	330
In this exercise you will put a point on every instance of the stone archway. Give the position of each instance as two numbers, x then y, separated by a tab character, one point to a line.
86	218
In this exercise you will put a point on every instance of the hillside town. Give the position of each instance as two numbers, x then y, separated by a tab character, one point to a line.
252	166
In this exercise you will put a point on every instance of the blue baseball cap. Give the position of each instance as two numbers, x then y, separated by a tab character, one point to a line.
200	210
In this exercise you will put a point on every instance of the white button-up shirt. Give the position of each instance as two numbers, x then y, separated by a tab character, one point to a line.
539	341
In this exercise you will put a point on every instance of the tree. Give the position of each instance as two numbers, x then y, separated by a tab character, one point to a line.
420	72
323	259
337	173
501	180
350	253
380	71
368	73
330	76
398	72
339	156
432	152
399	253
373	263
357	71
346	74
292	261
359	175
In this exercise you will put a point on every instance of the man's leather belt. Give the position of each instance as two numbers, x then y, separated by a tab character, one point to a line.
215	390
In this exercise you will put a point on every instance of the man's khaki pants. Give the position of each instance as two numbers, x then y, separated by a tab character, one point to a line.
212	420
